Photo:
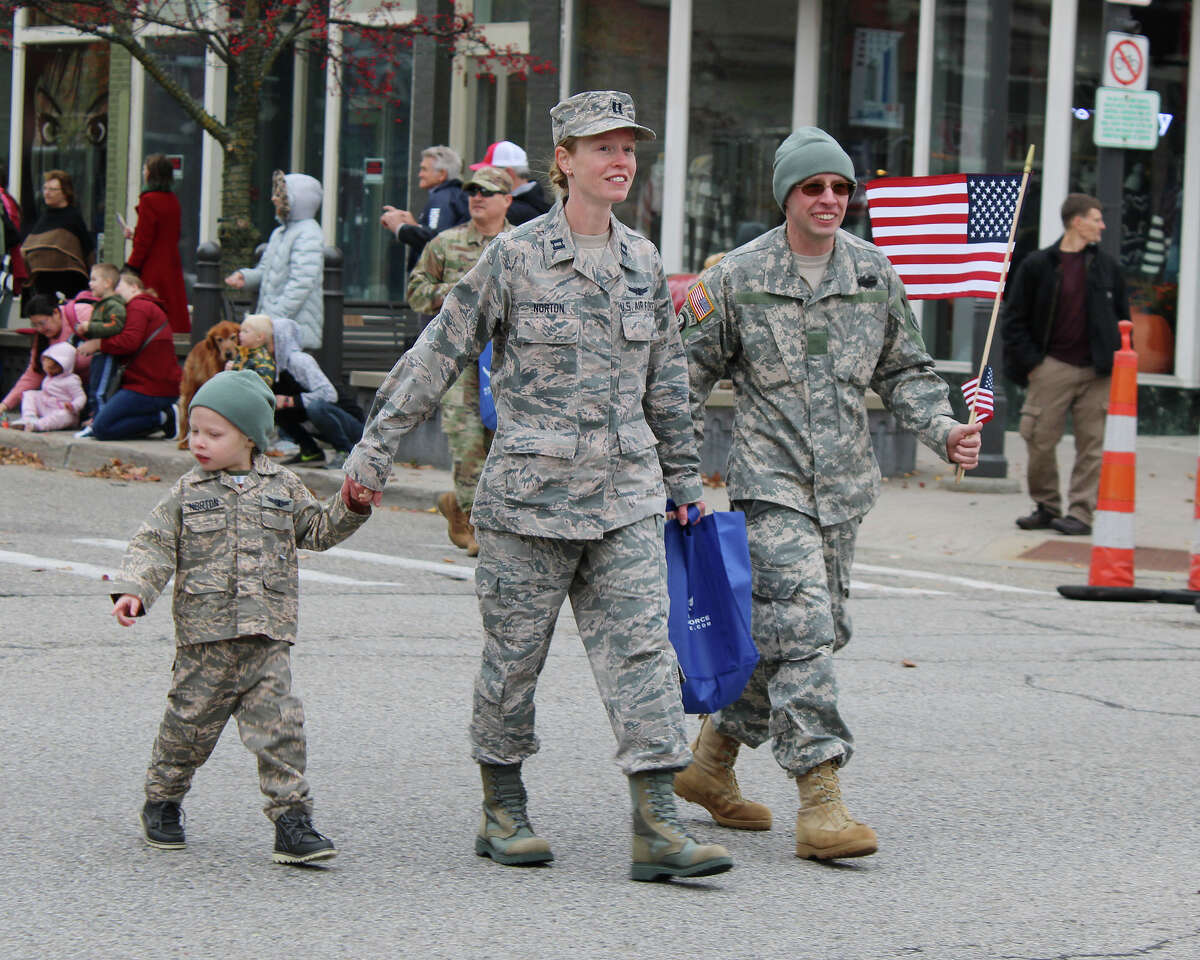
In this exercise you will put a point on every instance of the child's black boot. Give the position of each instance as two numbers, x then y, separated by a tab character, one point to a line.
297	841
162	824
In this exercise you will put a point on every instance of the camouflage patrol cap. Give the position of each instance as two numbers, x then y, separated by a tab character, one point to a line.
595	111
491	178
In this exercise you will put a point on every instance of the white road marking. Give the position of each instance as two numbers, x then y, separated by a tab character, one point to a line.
856	585
944	578
445	570
58	566
429	566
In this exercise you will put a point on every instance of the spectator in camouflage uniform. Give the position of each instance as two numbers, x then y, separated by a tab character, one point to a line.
445	260
804	319
590	386
228	532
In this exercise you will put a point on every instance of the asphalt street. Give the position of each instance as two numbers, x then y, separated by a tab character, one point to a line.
1029	763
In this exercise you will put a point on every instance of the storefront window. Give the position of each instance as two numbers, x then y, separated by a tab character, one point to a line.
979	126
622	45
66	124
373	170
314	114
169	130
501	11
1145	226
871	115
741	103
273	141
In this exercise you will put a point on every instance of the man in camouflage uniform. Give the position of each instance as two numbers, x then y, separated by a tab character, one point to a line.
444	261
804	319
590	386
229	538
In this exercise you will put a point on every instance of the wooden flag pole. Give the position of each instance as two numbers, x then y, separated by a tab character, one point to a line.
1012	236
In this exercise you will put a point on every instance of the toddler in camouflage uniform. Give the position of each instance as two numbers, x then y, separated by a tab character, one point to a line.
228	532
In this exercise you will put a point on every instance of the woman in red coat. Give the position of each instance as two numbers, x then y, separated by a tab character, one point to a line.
155	253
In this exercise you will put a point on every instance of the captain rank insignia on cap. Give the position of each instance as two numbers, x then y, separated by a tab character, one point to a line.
699	300
618	108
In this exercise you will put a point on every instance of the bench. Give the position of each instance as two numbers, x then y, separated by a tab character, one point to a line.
373	339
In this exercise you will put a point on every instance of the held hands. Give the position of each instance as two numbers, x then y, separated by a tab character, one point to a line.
962	446
88	347
680	513
236	280
126	609
355	496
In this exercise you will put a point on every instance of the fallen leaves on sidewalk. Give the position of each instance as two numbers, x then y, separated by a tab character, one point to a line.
712	479
119	470
15	457
907	663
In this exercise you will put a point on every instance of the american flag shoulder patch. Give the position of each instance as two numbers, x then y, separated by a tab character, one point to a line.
699	300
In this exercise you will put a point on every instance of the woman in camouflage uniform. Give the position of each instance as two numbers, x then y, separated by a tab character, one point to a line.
590	386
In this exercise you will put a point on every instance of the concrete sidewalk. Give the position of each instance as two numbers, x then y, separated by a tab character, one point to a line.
923	517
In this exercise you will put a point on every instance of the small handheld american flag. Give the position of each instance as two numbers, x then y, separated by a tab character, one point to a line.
981	396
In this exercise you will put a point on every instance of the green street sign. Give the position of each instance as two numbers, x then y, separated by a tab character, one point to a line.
1125	118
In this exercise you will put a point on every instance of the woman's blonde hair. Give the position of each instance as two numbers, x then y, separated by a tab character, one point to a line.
135	281
558	179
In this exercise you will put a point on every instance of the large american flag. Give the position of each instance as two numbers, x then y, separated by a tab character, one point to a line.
946	235
981	395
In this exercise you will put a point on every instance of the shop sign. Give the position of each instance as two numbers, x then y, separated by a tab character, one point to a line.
875	79
1126	118
176	162
1132	3
372	170
1126	56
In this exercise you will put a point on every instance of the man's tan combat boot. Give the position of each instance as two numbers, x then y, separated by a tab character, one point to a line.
661	847
711	782
824	828
505	834
458	526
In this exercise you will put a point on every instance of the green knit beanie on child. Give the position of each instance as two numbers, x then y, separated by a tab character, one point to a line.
242	398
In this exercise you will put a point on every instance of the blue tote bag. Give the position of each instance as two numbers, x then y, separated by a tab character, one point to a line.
708	582
487	406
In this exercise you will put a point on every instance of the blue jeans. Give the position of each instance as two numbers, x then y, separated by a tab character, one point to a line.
333	425
104	366
129	414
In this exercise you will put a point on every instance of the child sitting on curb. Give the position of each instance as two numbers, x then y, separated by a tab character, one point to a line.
56	404
228	532
107	320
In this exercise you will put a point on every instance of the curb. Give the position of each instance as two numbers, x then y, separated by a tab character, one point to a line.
408	488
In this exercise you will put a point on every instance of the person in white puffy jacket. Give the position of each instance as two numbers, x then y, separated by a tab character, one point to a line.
289	275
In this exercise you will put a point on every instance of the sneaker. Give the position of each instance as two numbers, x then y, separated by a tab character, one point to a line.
85	432
1071	526
303	459
296	841
162	824
1040	519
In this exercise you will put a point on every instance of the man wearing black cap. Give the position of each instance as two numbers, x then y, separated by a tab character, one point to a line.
804	319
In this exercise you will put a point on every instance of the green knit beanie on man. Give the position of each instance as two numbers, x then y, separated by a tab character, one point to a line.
807	152
242	398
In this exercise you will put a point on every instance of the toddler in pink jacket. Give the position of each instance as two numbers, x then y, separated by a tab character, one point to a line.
57	404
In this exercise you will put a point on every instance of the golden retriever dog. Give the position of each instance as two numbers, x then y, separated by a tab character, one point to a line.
205	361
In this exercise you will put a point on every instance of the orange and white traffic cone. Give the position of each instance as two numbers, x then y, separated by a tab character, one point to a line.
1111	574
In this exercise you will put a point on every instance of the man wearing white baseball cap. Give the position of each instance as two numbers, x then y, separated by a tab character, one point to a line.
529	200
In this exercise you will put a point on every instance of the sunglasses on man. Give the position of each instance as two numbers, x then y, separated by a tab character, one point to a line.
840	188
474	191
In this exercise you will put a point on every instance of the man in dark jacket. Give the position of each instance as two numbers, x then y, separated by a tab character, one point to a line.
529	200
1060	332
447	207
